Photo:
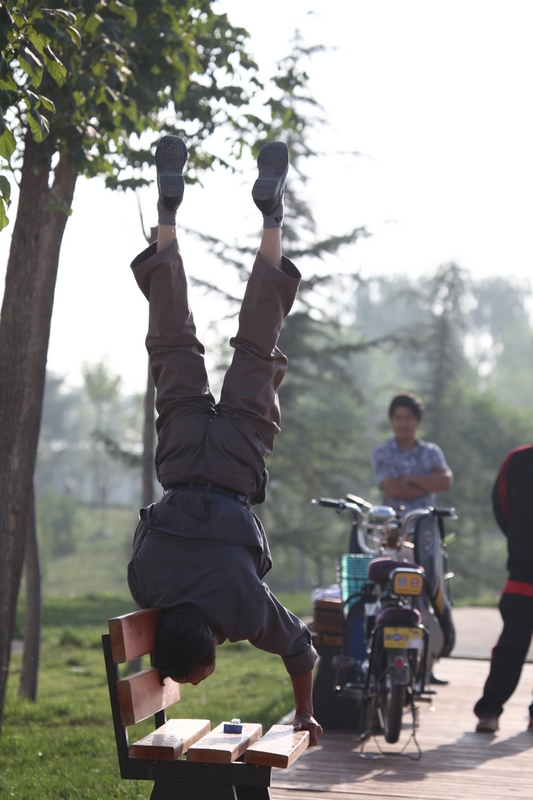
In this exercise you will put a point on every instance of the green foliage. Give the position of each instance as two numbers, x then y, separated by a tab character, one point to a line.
102	551
27	33
57	519
75	612
119	77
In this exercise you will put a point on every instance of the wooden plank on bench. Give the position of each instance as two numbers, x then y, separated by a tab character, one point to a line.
142	695
224	748
171	740
133	635
280	747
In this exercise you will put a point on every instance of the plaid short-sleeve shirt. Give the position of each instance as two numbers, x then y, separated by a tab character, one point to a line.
391	460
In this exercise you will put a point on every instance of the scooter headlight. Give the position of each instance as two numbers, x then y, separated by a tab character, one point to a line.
407	582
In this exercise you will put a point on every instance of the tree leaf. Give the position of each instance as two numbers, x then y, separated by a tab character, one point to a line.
8	83
131	111
4	219
8	144
37	40
5	100
68	15
46	103
31	65
4	36
57	70
5	189
92	23
31	98
5	16
45	28
38	124
74	35
129	13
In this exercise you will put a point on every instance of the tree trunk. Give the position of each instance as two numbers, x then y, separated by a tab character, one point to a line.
25	451
32	628
15	331
32	288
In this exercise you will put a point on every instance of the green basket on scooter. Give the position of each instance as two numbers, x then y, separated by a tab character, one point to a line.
352	571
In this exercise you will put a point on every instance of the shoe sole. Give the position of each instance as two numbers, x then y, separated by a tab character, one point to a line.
485	729
272	163
170	158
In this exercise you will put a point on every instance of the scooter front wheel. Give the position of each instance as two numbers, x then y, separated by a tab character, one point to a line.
392	712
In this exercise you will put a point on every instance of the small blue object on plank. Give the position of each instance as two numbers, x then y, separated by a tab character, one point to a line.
235	726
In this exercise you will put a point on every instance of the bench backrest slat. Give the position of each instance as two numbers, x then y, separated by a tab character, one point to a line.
133	635
142	695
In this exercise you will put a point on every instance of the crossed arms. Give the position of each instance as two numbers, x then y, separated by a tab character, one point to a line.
409	487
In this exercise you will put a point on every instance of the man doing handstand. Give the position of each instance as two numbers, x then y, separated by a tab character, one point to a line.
200	553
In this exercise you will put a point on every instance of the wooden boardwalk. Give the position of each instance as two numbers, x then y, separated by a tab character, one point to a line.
456	763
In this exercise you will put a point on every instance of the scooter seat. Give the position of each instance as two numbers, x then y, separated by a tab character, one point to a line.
391	615
379	569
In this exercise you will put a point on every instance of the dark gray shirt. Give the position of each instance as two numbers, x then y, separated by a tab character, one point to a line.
211	551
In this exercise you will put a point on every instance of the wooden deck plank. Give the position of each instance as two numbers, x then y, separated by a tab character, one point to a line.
456	762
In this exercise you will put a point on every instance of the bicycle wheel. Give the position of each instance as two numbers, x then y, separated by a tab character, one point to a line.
392	712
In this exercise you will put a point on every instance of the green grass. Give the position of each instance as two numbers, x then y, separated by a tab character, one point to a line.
62	747
99	561
487	600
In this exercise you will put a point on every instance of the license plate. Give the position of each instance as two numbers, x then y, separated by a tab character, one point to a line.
410	638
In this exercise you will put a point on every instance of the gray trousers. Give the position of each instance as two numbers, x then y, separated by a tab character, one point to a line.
224	443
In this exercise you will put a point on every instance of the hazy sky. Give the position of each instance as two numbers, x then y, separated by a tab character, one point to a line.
435	96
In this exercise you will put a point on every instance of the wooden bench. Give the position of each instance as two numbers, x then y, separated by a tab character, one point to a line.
184	758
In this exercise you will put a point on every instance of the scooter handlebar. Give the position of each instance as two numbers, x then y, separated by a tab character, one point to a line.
340	505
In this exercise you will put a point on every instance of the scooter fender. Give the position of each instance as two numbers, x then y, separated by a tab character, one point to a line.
399	676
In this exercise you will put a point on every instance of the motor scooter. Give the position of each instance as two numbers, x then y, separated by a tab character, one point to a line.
382	655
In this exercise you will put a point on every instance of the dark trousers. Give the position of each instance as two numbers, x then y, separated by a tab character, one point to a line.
508	655
224	443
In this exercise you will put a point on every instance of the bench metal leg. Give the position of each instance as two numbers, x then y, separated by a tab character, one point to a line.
252	792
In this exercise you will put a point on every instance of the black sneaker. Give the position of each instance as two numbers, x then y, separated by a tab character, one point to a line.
170	158
437	681
273	165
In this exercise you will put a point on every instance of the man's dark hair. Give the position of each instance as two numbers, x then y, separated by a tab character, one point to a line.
183	641
408	400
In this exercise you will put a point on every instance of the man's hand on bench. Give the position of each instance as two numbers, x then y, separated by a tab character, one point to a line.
303	702
308	723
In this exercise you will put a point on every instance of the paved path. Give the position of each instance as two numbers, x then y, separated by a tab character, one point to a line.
456	763
478	630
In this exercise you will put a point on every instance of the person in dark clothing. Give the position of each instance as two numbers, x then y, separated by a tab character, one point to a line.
512	501
200	553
